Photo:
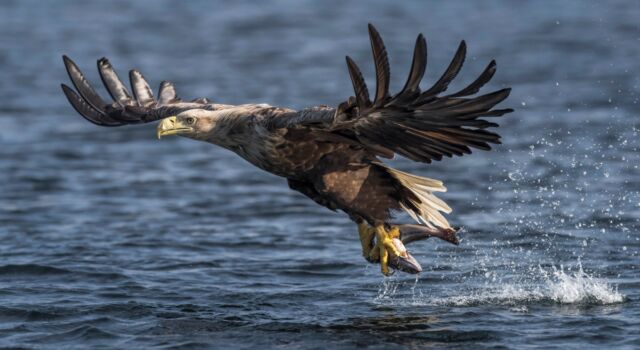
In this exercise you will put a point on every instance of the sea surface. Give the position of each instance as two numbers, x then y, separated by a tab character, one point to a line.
110	238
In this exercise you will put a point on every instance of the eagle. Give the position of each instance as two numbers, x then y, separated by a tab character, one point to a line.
330	154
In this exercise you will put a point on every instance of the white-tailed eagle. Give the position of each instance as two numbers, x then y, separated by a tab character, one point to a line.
330	154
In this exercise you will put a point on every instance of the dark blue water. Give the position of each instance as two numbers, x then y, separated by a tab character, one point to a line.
111	239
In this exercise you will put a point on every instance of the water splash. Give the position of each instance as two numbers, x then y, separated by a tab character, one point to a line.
580	287
554	285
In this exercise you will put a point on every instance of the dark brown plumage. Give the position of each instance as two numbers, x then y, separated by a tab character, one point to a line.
329	154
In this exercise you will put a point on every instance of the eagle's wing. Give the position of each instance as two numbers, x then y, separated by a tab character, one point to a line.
126	108
420	125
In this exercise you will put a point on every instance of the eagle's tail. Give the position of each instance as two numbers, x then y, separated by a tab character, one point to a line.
418	200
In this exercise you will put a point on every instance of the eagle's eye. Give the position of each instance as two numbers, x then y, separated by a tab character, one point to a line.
190	120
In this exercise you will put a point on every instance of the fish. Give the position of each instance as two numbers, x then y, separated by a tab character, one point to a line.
412	233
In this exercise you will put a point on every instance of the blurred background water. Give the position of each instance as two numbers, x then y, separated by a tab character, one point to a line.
110	238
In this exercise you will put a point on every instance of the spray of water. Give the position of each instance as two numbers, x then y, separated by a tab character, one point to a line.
546	286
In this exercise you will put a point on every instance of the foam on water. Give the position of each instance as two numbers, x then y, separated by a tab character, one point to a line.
546	286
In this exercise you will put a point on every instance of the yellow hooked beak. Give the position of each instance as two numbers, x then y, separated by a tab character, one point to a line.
171	126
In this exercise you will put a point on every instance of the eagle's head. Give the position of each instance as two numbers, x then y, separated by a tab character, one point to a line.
194	123
227	126
221	127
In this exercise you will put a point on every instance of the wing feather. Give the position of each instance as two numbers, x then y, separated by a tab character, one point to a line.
83	87
166	93
359	86
484	78
381	62
418	68
86	110
422	126
450	74
141	90
112	82
124	109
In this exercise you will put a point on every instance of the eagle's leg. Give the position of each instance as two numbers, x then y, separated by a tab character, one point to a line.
366	234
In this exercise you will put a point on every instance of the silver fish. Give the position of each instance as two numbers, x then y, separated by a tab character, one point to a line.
413	233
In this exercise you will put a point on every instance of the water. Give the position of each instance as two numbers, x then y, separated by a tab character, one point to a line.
113	239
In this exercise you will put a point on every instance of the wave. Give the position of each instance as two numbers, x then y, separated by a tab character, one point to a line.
31	269
35	270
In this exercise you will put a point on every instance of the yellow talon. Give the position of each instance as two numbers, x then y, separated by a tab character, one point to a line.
384	261
384	239
394	232
383	247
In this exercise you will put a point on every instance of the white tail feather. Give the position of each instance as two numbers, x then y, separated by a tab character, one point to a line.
430	206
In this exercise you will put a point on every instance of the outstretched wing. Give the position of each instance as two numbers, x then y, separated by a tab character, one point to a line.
420	125
126	108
